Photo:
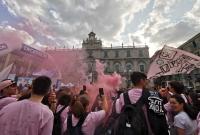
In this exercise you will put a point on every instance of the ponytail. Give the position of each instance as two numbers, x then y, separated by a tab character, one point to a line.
192	113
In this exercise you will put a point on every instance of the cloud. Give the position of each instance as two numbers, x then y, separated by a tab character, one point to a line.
194	13
66	22
14	37
135	39
176	33
69	20
159	29
154	23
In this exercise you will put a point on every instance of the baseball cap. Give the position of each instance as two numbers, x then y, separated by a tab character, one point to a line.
6	83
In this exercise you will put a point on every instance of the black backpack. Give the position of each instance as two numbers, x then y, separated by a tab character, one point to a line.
106	129
75	130
57	126
131	120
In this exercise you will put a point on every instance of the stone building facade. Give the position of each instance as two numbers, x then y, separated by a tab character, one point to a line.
122	59
192	46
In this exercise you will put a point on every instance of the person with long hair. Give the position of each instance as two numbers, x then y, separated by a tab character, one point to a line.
185	120
80	117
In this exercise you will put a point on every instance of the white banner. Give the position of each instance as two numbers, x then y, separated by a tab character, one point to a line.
171	61
32	51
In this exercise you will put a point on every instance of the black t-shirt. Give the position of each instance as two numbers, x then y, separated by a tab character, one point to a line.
156	113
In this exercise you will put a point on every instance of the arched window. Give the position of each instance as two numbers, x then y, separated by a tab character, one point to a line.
129	66
117	67
142	67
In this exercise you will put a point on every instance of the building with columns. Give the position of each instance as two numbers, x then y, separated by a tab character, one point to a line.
121	59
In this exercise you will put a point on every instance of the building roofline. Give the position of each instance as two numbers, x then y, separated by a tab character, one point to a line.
190	40
103	48
125	47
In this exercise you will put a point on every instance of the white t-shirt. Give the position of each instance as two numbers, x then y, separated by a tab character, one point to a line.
92	120
26	118
7	100
183	121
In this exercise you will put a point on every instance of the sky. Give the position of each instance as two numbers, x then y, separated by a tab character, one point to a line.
59	23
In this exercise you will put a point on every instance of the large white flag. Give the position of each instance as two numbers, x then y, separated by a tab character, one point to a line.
5	72
171	61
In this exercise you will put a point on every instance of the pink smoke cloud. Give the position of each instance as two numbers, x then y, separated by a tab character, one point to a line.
13	38
69	63
110	83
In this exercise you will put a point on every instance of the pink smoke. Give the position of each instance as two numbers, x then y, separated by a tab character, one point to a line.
70	63
13	38
110	83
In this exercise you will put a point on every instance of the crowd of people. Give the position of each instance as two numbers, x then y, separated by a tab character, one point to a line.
140	110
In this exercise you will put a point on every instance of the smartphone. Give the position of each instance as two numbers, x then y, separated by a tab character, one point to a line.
101	92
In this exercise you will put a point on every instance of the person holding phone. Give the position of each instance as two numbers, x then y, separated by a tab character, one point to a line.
80	112
97	106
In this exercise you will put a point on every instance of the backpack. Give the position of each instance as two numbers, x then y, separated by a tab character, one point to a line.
131	120
75	130
106	129
57	126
